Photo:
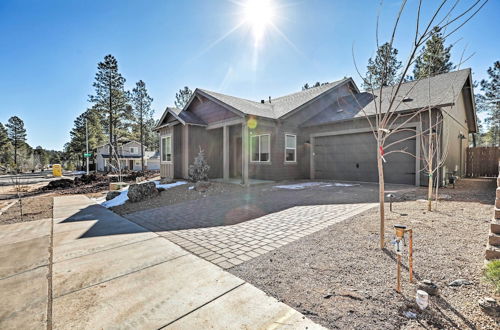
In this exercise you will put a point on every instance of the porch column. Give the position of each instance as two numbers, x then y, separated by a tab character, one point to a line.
244	152
225	152
185	151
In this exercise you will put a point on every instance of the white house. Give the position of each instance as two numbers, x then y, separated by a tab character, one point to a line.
129	155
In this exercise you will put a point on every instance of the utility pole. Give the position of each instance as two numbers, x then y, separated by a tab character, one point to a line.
87	144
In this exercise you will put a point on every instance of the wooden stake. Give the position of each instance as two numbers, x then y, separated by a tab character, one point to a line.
398	280
410	261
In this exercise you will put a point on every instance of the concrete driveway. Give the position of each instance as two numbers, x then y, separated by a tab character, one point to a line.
88	268
228	230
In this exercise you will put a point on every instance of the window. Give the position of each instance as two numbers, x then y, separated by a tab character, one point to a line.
166	148
290	148
133	150
260	148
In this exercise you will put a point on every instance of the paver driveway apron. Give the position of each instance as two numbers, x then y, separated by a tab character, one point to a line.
109	272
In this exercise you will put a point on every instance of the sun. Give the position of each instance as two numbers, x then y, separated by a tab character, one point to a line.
259	15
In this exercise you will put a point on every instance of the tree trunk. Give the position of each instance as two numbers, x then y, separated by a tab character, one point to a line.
142	143
431	150
381	197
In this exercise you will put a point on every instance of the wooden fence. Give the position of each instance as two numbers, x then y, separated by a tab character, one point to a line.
482	162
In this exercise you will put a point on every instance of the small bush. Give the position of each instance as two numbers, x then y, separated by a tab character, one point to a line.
492	273
199	170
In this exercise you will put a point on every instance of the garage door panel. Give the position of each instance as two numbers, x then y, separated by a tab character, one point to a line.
353	157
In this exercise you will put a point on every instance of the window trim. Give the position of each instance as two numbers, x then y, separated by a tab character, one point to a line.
269	145
169	136
294	149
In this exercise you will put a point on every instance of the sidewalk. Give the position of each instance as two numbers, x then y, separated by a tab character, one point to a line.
108	272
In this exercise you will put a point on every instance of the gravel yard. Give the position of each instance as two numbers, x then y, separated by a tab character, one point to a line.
176	195
33	208
341	279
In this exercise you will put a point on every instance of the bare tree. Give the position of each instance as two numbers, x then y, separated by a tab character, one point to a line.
388	120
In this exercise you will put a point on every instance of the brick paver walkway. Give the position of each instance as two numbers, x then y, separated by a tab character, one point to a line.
227	246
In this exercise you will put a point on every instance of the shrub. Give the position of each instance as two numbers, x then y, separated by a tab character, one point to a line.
199	170
492	273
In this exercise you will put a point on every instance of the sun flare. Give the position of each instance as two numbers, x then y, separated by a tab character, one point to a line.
259	15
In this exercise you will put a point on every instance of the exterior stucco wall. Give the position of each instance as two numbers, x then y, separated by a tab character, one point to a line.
454	124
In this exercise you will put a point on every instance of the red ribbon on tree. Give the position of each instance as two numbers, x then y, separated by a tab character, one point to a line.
382	153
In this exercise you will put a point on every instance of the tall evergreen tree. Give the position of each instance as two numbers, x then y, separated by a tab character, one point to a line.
5	146
182	98
384	69
111	100
142	112
77	145
17	135
434	58
489	102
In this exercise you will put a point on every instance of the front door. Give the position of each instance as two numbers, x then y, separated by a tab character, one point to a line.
131	164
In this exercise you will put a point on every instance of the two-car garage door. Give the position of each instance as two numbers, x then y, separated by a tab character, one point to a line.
353	157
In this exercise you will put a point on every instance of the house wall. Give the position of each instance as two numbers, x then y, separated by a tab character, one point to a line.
452	128
210	141
166	168
277	168
210	111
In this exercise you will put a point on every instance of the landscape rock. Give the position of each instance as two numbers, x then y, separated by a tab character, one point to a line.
166	180
141	191
202	186
490	306
459	282
59	184
428	287
112	194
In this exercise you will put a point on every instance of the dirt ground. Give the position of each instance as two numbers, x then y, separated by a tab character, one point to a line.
341	279
33	208
176	195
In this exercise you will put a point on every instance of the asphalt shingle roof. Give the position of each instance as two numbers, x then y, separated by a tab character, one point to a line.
279	106
435	91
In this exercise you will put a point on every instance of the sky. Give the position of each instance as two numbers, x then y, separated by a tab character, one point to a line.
49	49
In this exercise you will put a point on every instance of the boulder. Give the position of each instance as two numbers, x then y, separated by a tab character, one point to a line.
166	180
459	282
112	194
141	191
428	287
202	186
490	306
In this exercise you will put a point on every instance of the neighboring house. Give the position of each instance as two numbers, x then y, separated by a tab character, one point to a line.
129	155
318	133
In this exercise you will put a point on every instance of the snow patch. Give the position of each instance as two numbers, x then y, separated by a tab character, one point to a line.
123	197
299	186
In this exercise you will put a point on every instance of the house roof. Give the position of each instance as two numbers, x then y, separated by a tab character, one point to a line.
184	117
278	107
346	107
440	90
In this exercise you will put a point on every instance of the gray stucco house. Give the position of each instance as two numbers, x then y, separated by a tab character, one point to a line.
318	133
129	155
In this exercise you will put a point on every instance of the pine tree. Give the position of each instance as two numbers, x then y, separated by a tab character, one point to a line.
142	112
182	98
17	135
434	59
489	102
111	101
5	147
151	140
317	84
384	69
77	145
198	171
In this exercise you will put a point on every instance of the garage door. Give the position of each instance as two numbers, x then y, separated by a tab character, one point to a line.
353	157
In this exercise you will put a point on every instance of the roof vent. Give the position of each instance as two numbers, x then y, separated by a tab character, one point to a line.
269	99
407	99
262	101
